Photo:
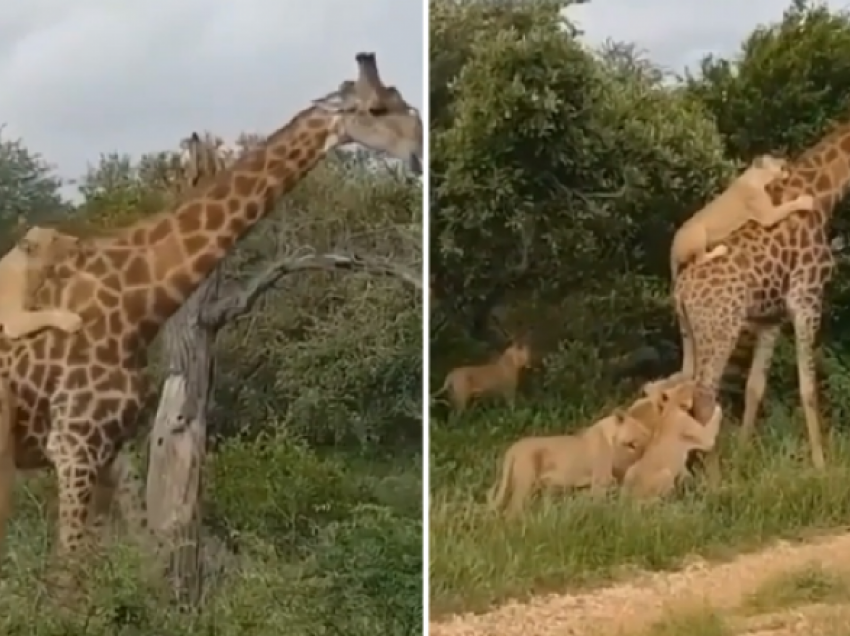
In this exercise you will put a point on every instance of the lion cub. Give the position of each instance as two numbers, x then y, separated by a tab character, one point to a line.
665	458
22	271
744	200
587	458
500	377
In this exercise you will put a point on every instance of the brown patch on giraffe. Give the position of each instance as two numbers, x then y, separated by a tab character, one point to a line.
243	185
136	271
37	374
295	154
252	211
216	216
315	123
205	264
115	323
99	267
107	299
195	244
78	377
219	192
822	182
108	351
160	231
135	304
189	220
238	225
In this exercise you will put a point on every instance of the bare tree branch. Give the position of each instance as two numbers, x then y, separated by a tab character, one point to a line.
240	302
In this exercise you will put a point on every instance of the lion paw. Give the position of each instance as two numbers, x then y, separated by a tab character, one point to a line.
70	323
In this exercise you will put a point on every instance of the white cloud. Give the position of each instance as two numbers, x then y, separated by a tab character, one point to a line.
94	76
679	33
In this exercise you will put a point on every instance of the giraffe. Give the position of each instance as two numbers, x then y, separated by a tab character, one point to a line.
767	273
79	395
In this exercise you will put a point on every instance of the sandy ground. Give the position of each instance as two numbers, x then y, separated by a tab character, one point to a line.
631	607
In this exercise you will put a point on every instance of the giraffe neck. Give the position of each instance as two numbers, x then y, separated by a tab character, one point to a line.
824	172
152	267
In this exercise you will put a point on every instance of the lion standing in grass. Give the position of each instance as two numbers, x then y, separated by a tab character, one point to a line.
500	377
590	458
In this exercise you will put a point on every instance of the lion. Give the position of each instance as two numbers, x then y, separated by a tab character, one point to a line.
593	457
744	200
500	377
664	460
22	271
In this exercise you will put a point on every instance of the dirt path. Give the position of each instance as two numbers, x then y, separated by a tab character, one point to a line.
629	608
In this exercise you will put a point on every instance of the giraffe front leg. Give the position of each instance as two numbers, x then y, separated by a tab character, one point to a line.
715	337
766	338
77	478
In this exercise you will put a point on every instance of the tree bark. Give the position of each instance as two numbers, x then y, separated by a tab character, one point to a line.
179	436
178	440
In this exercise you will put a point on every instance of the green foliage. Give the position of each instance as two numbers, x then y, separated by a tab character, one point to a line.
559	175
27	187
554	157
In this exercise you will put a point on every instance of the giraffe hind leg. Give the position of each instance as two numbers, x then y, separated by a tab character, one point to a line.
805	310
765	346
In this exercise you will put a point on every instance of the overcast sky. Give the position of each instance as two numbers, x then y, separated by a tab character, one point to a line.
677	33
82	77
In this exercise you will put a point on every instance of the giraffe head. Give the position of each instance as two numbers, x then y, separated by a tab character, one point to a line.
374	115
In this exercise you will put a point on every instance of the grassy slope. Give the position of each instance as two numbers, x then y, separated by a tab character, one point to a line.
301	569
477	558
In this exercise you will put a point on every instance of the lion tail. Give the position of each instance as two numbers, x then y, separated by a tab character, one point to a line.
443	388
499	490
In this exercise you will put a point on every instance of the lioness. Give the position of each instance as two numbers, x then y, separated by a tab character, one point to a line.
744	200
22	271
665	458
497	378
586	458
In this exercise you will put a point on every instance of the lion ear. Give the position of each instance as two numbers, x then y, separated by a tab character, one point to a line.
682	395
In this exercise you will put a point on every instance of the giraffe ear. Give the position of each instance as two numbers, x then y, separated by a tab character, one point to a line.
338	100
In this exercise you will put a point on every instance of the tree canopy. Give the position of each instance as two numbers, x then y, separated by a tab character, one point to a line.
560	170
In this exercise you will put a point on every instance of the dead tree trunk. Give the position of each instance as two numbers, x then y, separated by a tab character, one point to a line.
178	439
179	436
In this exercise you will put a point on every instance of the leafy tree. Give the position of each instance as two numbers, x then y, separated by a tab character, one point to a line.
27	187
